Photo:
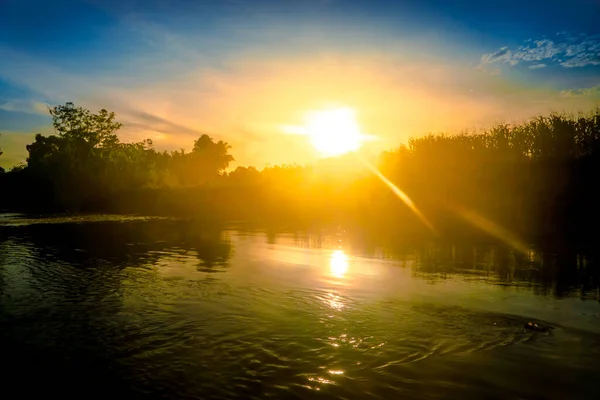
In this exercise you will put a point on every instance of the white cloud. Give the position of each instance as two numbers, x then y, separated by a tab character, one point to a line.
28	107
566	50
542	50
244	100
502	55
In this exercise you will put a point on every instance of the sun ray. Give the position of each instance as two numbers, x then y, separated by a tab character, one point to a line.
398	192
492	228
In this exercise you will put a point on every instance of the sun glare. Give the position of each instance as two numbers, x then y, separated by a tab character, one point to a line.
338	263
333	132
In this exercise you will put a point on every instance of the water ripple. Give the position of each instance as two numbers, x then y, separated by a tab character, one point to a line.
148	316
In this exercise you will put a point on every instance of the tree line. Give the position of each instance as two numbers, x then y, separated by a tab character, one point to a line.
536	179
85	163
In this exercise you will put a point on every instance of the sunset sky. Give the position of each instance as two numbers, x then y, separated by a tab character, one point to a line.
241	70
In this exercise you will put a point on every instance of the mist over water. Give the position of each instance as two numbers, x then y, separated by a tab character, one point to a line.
93	306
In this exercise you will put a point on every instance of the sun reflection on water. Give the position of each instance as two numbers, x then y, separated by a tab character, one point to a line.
334	301
338	263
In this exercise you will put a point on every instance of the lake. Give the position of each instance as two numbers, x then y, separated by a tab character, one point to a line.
96	306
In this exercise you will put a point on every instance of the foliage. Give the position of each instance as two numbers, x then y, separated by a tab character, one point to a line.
535	179
85	163
1	169
78	123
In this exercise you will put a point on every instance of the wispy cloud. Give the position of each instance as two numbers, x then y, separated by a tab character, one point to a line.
537	66
145	121
59	86
502	55
28	107
245	97
566	50
590	92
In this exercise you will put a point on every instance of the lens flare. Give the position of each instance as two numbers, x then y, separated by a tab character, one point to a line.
401	195
492	228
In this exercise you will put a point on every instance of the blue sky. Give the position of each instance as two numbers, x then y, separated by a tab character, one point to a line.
238	69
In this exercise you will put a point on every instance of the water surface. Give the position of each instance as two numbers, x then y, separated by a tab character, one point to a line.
100	306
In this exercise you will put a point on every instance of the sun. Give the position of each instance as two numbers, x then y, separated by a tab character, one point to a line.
338	263
333	132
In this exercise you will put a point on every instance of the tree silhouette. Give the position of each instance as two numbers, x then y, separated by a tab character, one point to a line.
209	158
1	169
536	179
96	130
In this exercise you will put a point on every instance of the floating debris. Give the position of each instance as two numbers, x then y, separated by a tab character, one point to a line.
538	328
